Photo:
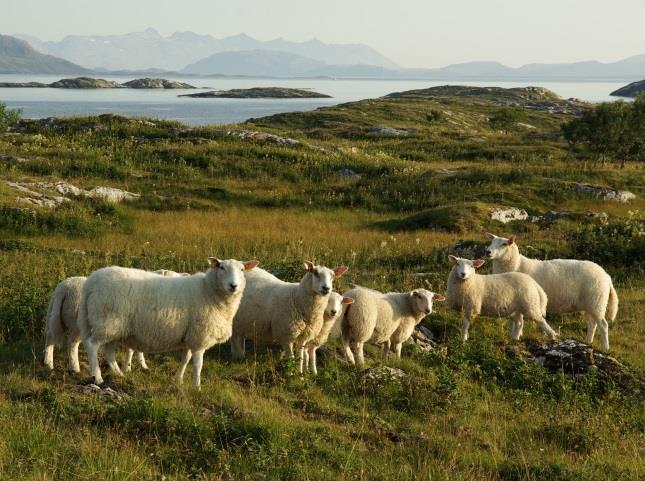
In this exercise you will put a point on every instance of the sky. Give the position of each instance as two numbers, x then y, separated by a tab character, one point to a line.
412	33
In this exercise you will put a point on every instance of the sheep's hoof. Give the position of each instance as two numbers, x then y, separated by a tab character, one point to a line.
92	380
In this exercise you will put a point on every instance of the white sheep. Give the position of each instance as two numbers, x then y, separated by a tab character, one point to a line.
290	314
375	317
331	319
513	294
61	322
571	285
153	313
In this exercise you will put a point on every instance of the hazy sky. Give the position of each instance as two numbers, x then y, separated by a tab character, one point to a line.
413	33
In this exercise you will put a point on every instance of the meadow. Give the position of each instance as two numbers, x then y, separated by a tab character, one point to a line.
463	412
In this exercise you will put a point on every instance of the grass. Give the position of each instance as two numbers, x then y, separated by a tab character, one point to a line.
463	412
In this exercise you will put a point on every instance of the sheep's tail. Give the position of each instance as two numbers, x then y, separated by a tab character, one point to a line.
83	318
55	332
612	304
344	334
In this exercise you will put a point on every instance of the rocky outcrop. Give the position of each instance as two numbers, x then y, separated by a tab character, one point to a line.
604	193
383	374
35	198
387	132
44	199
630	90
260	93
348	174
263	137
85	83
509	214
22	85
156	83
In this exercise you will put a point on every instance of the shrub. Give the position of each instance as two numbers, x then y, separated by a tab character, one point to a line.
8	117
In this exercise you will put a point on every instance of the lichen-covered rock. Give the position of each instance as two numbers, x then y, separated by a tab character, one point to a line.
387	132
383	374
604	193
348	174
112	194
509	214
263	137
105	392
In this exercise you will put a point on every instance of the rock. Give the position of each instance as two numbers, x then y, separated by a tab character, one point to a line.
22	85
604	193
630	90
156	83
33	197
422	338
506	215
62	187
387	132
85	83
260	93
106	393
264	137
348	174
13	158
445	172
381	374
112	194
526	126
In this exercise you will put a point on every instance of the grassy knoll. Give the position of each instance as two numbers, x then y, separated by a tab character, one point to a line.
464	412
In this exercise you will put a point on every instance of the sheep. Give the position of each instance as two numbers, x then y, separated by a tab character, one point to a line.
376	317
61	322
153	313
289	313
512	294
331	317
571	285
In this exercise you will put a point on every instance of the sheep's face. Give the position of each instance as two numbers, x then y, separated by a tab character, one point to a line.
322	278
422	300
465	268
498	247
229	274
335	304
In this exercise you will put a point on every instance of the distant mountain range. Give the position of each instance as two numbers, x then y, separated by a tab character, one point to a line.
148	49
17	56
240	55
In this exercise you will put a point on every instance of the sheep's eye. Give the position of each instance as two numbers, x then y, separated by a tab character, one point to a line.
221	268
316	273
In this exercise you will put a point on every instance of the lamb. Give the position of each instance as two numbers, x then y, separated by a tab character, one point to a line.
153	313
331	317
570	285
382	319
512	294
61	322
290	314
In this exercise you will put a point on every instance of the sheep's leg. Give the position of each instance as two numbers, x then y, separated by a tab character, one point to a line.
185	359
312	359
465	323
301	359
72	355
237	347
397	349
386	348
349	355
142	361
358	350
603	329
92	347
110	357
128	360
49	352
591	327
288	351
546	329
198	362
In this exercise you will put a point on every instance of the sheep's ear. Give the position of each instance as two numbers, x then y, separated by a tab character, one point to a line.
453	258
340	270
309	266
214	262
438	297
478	263
250	265
490	236
511	240
347	300
415	293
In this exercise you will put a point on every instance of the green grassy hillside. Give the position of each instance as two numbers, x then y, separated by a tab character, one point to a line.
432	166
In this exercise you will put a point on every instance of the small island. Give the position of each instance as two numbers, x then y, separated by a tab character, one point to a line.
260	93
630	90
99	83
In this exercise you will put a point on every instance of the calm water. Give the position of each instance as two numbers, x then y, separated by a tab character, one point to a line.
37	103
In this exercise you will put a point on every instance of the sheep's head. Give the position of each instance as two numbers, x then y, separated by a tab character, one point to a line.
322	278
465	268
422	300
229	274
335	304
499	246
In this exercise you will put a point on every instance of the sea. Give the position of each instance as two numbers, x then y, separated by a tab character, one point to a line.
166	104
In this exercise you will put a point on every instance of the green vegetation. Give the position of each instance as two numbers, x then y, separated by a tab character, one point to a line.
8	117
611	130
463	412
